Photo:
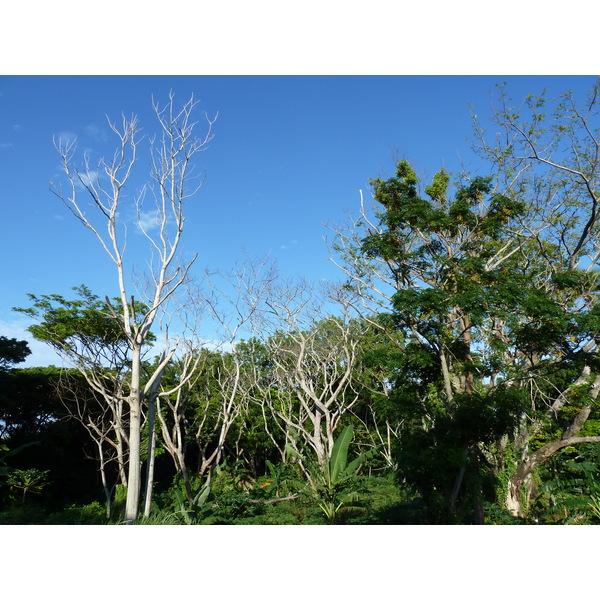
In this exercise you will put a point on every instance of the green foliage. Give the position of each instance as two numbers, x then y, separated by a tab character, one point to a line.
93	513
498	515
119	500
30	481
24	514
572	495
36	514
28	401
190	511
87	327
12	351
333	483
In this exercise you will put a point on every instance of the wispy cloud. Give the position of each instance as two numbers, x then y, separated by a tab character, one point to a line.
149	220
87	179
64	138
96	133
289	245
4	145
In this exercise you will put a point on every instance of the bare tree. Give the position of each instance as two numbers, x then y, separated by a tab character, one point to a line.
185	369
213	393
103	188
174	430
103	419
312	380
233	300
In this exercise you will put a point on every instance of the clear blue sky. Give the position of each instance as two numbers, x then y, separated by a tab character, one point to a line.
289	153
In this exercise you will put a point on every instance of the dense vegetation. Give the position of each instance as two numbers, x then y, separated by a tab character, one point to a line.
452	376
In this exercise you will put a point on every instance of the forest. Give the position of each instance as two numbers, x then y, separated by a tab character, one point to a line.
450	376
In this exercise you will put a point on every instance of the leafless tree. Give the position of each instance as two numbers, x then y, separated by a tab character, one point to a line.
103	189
214	394
104	421
313	345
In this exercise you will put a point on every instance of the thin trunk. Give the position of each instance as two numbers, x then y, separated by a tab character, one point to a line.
135	422
186	477
469	376
107	491
447	379
320	450
151	455
152	397
121	442
457	484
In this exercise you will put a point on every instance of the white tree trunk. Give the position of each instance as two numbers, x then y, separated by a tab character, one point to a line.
134	480
151	456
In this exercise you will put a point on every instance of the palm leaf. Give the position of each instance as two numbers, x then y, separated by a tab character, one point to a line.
339	454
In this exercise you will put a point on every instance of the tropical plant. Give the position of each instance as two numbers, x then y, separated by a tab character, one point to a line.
332	483
493	305
573	495
29	480
189	510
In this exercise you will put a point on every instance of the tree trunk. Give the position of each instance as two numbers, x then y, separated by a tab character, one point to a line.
186	477
569	438
107	491
317	440
121	441
152	401
135	422
526	467
151	455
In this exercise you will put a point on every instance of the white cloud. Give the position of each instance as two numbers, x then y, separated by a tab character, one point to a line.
6	144
90	178
64	138
291	245
149	220
95	132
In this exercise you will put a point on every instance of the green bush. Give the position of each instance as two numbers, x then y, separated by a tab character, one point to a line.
86	514
23	515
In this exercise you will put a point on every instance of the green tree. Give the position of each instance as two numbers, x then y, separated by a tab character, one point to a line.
28	401
34	417
460	282
12	352
548	153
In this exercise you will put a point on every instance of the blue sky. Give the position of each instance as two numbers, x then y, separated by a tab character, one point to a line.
289	153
